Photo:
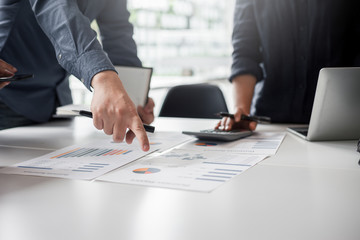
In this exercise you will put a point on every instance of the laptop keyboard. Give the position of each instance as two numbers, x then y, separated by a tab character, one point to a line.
303	132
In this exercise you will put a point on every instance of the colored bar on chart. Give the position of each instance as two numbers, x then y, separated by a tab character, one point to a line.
91	152
65	153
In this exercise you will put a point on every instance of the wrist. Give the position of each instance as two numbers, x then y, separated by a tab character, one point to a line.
243	108
103	77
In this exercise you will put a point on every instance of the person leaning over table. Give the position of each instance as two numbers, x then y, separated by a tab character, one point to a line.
281	46
53	39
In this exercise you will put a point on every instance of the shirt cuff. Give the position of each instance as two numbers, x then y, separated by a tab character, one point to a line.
91	63
246	66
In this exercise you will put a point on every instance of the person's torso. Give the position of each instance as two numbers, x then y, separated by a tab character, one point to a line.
30	51
298	39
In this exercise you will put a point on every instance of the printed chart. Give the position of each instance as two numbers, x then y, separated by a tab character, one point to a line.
91	152
258	143
184	169
79	162
146	170
94	159
191	165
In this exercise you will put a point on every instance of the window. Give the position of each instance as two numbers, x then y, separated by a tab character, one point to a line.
183	37
185	41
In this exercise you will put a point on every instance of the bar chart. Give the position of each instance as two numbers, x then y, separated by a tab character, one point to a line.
85	161
91	152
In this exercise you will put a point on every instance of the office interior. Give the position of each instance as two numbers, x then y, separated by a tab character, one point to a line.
185	42
307	190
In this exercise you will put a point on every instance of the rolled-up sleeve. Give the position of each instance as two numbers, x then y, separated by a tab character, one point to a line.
77	49
245	40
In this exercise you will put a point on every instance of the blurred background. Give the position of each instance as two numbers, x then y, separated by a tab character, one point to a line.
185	41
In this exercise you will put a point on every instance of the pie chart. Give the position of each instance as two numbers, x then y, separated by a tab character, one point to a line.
205	144
146	170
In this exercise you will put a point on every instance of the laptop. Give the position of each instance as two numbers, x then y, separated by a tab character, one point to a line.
336	111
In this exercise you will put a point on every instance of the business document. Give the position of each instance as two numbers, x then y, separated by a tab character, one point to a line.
91	160
262	143
184	169
198	165
85	162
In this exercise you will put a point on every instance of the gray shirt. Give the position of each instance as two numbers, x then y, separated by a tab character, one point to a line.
53	39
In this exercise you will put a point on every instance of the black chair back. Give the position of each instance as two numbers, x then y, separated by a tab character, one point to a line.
194	101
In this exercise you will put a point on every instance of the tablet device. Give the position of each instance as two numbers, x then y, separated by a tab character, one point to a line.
219	135
16	77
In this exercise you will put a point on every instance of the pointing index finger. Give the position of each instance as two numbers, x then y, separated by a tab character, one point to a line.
139	131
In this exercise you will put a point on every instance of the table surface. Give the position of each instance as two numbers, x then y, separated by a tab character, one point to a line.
308	190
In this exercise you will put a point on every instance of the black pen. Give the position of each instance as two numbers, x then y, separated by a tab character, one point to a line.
258	119
88	114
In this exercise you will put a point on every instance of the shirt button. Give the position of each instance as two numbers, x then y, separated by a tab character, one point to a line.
82	80
59	56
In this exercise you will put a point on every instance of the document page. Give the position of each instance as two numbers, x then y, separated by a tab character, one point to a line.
89	161
79	161
184	169
161	141
264	143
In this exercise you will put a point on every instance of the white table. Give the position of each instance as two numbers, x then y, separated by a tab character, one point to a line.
306	191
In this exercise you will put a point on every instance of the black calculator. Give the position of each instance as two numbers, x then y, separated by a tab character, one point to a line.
219	135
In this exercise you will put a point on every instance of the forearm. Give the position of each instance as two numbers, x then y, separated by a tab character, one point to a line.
244	86
75	43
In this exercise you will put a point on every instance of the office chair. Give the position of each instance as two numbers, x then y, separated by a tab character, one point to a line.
193	101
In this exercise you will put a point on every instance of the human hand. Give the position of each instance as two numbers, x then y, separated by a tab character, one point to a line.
244	86
3	84
6	70
147	113
228	123
114	112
